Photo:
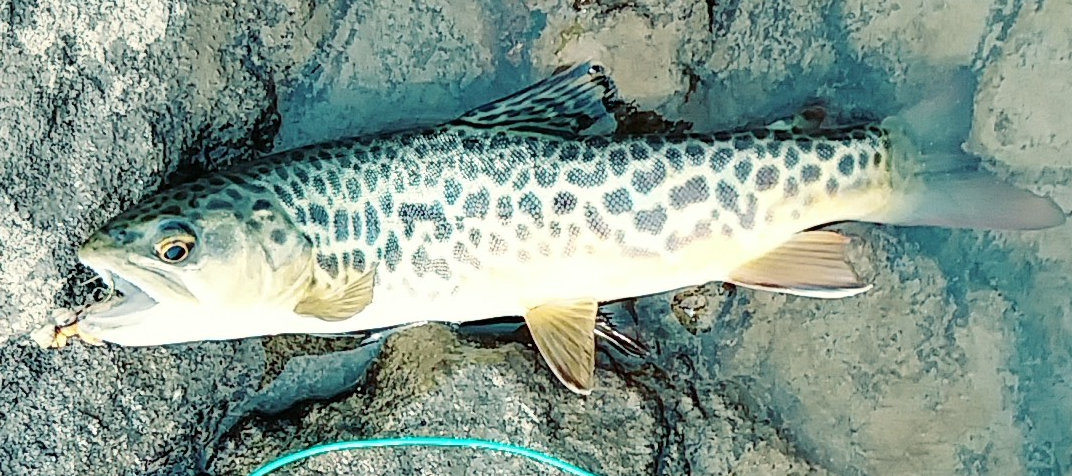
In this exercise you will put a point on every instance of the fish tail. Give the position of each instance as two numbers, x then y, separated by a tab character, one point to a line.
936	183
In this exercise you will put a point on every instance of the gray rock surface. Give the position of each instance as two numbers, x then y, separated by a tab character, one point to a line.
955	363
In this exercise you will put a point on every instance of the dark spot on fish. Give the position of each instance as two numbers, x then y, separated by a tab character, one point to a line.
748	216
584	178
695	153
761	134
674	158
496	244
618	201
359	262
825	151
298	190
530	205
353	189
253	225
410	213
569	152
760	150
650	220
550	148
766	177
505	208
831	186
234	194
646	180
792	158
278	236
474	237
329	263
727	231
218	204
597	142
522	232
372	224
342	225
639	151
877	159
726	195
546	174
476	204
846	165
564	202
721	158
743	169
473	145
333	181
283	195
387	204
371	178
318	214
805	144
392	251
791	187
595	221
693	191
261	205
522	178
319	186
774	148
452	190
301	174
743	142
618	160
810	173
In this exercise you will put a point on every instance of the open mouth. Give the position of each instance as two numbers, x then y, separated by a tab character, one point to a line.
124	299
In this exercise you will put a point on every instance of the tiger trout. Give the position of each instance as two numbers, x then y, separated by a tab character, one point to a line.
514	210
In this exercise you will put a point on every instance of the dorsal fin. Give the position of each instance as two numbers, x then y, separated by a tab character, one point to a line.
564	104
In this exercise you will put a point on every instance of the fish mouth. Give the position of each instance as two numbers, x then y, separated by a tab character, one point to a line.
126	300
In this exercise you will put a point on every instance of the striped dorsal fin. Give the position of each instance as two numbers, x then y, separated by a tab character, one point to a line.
564	104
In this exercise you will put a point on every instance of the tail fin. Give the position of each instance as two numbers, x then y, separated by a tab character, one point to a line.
936	183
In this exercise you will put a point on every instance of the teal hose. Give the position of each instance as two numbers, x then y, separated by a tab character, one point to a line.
433	441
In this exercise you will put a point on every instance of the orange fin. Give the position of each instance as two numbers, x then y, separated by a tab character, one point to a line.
564	332
811	264
335	303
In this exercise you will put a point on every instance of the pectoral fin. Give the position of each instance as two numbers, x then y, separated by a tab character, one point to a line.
338	302
811	264
564	332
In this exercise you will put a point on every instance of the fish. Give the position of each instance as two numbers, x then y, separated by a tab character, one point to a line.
525	206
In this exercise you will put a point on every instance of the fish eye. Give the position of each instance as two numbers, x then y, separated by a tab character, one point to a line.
175	249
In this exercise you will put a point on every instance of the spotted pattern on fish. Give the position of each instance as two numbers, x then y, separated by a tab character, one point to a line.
401	202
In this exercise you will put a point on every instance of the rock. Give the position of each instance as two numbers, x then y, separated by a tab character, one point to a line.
954	363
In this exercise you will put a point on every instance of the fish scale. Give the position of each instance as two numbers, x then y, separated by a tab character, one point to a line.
518	208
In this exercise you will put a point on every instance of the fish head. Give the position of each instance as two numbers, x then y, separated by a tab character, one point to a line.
216	266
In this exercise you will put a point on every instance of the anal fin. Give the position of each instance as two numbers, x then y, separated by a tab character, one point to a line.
333	302
811	264
564	332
